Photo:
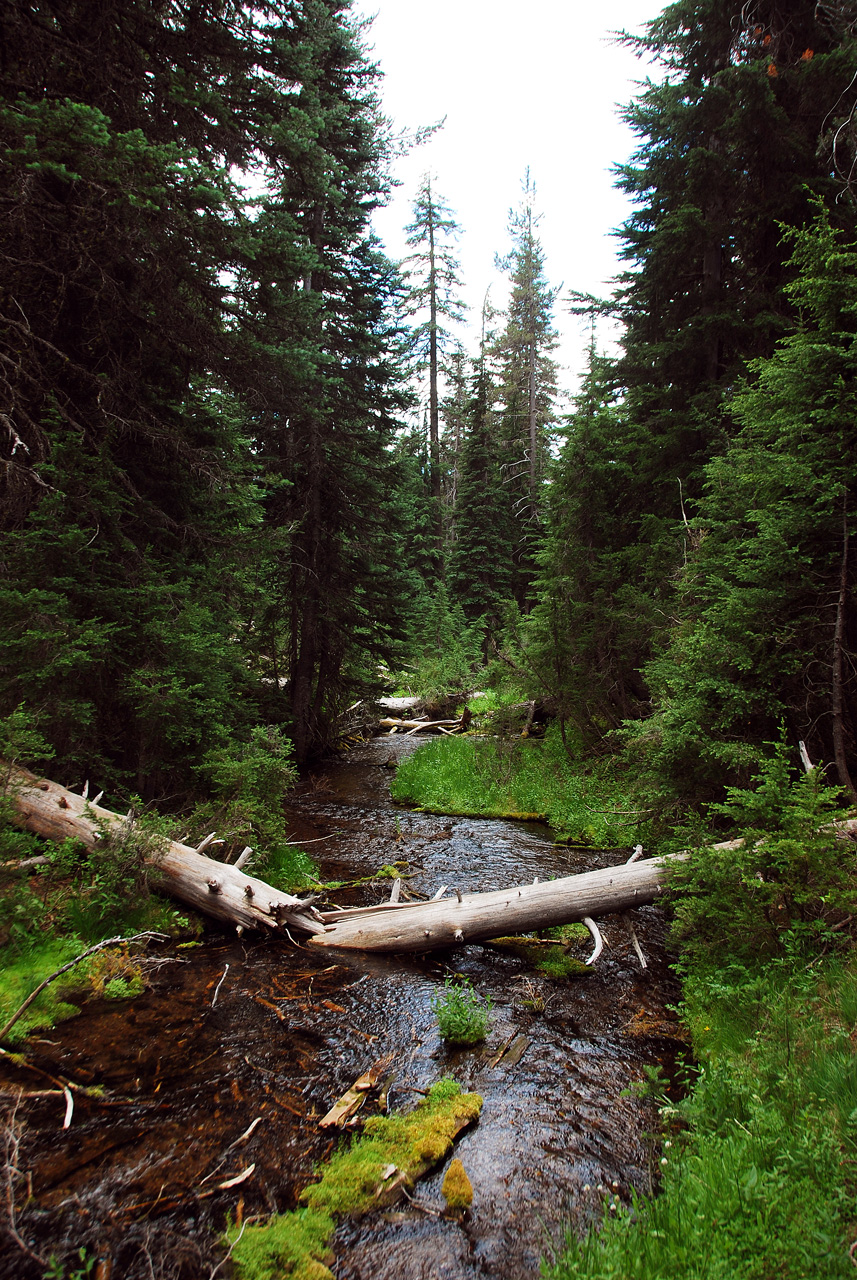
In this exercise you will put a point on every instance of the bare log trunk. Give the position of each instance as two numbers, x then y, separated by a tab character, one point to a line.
475	917
213	888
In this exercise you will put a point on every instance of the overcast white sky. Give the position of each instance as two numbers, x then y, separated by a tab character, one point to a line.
533	84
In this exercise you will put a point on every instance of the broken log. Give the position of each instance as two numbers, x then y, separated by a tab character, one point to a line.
476	917
214	888
417	726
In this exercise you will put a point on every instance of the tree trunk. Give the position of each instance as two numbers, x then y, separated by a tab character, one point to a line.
475	917
213	888
838	648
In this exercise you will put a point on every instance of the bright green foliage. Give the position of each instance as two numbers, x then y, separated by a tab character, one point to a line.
296	1244
789	882
585	803
462	1014
445	653
23	967
760	1182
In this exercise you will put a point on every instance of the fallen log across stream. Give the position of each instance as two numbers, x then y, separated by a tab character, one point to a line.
477	917
214	888
226	893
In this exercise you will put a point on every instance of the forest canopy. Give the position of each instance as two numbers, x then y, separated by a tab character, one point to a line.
223	503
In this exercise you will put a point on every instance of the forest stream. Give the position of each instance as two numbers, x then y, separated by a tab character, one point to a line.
239	1029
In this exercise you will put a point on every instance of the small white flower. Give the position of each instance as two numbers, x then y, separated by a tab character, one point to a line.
663	1160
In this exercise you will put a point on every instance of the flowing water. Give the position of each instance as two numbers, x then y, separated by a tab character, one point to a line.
241	1033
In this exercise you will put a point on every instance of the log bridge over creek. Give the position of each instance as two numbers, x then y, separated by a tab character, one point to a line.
226	893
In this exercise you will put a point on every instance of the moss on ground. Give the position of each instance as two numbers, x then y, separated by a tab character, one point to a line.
393	1152
548	956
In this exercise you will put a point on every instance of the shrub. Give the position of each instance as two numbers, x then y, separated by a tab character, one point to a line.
462	1014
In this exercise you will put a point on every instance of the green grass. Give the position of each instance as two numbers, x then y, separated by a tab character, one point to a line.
520	778
761	1181
296	1244
21	971
463	1015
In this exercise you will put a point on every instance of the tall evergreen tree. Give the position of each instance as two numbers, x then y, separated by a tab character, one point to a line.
433	273
179	367
481	558
766	627
527	386
734	141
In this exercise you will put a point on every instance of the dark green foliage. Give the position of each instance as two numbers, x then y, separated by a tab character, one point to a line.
432	271
590	627
788	883
526	391
481	568
735	141
765	615
199	387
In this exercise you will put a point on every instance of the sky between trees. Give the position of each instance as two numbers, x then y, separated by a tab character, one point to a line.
538	89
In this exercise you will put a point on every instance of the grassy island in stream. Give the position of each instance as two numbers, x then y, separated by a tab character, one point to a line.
393	1151
523	778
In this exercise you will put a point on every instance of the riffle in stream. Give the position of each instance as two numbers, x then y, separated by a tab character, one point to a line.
135	1179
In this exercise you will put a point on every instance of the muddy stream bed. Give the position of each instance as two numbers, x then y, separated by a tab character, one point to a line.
134	1178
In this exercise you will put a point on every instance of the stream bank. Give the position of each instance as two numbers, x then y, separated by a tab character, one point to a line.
237	1030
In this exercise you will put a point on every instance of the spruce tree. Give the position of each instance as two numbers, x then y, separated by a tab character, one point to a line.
527	387
766	632
481	565
734	141
433	275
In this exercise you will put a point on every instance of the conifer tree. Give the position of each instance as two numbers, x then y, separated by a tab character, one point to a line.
527	386
734	141
433	273
481	564
766	630
199	394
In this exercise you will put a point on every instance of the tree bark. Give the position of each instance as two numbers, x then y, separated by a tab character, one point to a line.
213	888
475	917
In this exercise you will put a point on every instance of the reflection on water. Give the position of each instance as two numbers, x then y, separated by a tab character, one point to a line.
137	1177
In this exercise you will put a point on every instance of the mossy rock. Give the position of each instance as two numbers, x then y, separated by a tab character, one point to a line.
457	1188
391	1154
548	957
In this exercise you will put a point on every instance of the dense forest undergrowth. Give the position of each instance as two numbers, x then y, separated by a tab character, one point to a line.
251	480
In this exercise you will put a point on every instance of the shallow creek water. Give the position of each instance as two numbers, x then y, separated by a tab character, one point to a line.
136	1177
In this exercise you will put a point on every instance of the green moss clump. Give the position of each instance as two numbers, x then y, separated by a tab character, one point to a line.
457	1188
292	1244
289	1244
550	958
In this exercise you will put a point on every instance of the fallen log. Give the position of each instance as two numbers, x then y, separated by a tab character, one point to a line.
476	917
214	888
416	726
